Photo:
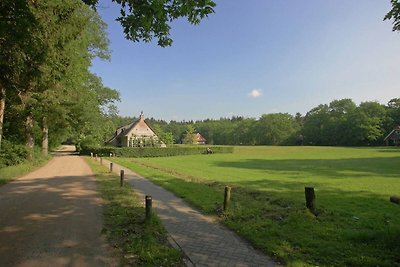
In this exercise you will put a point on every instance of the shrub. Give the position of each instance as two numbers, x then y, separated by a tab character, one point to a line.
12	154
148	152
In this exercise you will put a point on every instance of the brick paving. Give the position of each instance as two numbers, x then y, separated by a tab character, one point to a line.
203	240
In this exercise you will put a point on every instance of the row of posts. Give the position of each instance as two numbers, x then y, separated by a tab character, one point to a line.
148	199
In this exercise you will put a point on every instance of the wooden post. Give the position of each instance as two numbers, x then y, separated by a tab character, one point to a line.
148	200
395	200
310	198
122	174
111	166
227	198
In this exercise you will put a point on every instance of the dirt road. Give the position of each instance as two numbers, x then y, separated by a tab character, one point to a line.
52	217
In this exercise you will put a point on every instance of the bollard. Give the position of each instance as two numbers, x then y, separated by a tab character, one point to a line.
148	201
395	200
122	174
110	155
310	198
91	154
227	198
111	166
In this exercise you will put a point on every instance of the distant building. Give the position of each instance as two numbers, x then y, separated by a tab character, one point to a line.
199	139
393	137
135	134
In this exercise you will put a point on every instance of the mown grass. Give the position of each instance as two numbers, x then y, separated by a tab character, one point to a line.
11	172
138	242
356	225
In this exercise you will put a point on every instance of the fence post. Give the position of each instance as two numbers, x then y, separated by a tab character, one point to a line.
227	198
111	166
148	200
395	200
310	198
122	174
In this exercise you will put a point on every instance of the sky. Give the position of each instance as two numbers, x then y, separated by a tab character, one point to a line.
256	57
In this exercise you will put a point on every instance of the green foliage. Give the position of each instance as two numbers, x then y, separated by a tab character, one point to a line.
12	154
394	14
144	20
356	224
343	123
276	129
148	152
22	166
189	135
138	243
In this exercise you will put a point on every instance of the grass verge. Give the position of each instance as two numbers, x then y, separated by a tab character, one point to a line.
11	172
355	226
138	242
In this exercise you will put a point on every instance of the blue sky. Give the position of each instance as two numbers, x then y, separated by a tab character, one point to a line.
257	57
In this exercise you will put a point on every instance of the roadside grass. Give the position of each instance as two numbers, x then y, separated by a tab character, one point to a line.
355	225
139	243
12	172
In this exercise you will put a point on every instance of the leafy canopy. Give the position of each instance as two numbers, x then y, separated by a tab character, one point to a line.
144	20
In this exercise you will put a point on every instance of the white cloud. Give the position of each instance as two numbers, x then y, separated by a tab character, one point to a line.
255	93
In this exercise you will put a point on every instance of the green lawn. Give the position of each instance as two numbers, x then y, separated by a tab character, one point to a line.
356	224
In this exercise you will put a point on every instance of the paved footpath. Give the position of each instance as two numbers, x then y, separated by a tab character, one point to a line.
53	217
204	241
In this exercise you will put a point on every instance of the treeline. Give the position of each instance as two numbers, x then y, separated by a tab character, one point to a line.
339	123
47	93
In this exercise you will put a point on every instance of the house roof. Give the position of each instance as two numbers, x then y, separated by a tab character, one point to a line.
396	129
200	138
125	130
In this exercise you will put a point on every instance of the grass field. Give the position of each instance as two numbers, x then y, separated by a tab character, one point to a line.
356	225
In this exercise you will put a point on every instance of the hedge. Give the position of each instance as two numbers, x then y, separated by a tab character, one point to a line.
148	152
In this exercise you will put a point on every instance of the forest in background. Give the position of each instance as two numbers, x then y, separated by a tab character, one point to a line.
339	123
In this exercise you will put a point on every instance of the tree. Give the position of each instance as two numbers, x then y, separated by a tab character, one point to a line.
22	51
189	135
394	14
365	125
144	20
275	129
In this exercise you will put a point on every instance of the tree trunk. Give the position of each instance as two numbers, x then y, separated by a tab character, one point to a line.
45	137
30	141
2	108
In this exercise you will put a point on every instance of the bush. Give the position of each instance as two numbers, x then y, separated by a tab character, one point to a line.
148	152
12	154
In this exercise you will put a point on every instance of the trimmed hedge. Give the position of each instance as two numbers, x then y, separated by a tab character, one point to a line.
149	152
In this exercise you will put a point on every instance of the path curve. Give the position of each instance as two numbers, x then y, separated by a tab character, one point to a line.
53	217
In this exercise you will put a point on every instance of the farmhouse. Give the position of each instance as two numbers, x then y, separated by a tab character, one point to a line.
199	139
393	137
134	134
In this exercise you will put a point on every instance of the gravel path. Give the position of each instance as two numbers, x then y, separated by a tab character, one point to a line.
53	217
